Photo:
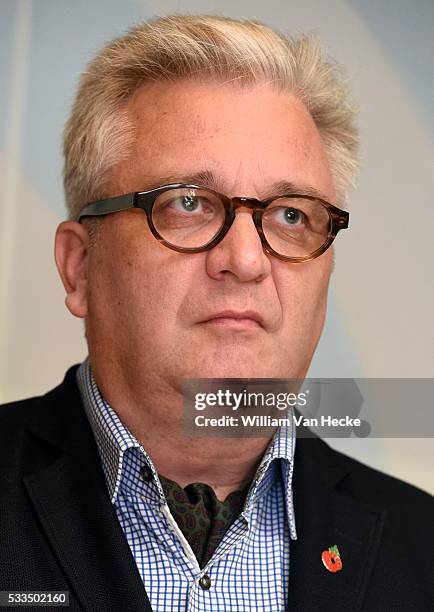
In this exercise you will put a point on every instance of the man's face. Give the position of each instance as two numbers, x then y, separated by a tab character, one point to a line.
163	315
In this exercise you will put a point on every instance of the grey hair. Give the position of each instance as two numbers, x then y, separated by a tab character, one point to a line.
99	133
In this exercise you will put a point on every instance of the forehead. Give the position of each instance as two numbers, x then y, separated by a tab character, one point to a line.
248	138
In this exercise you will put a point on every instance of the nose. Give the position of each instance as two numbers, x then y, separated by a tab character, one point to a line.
240	253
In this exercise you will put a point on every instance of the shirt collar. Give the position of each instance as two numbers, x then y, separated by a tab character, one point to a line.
123	457
282	446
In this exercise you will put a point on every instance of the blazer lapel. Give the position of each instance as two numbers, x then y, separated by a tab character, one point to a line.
325	517
71	500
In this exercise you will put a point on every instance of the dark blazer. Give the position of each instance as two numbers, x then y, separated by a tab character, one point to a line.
59	530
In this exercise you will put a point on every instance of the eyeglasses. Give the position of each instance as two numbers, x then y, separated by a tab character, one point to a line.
192	219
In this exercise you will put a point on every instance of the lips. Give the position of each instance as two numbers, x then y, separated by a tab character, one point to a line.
236	318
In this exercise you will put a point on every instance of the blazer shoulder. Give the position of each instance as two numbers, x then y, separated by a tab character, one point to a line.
372	486
37	409
18	408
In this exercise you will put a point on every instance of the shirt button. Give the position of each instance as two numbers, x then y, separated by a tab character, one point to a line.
205	582
146	473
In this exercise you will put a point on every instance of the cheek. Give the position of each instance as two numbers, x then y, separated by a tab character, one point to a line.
150	283
302	292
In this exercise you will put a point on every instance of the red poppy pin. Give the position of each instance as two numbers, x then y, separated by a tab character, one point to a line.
332	559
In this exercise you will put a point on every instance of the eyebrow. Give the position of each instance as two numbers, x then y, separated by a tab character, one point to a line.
207	178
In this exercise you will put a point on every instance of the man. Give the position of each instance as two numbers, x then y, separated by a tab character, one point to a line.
206	164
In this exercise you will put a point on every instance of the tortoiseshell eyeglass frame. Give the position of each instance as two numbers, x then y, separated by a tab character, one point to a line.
144	200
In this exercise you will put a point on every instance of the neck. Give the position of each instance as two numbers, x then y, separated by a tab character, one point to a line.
155	418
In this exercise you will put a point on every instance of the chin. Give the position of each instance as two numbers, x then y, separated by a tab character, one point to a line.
227	371
242	367
242	360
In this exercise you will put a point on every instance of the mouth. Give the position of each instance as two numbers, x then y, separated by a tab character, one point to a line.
232	319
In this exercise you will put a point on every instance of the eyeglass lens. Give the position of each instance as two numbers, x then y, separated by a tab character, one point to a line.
191	218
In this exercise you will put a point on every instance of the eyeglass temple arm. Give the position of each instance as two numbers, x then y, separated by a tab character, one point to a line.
340	219
111	205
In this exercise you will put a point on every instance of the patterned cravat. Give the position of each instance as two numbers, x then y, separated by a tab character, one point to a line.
202	518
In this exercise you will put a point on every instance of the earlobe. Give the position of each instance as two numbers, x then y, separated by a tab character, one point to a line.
71	254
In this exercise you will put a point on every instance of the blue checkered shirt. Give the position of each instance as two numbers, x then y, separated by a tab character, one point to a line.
249	570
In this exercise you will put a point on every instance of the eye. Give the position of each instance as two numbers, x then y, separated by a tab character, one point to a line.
292	216
288	215
189	202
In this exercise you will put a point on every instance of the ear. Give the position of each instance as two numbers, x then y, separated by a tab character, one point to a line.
71	253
